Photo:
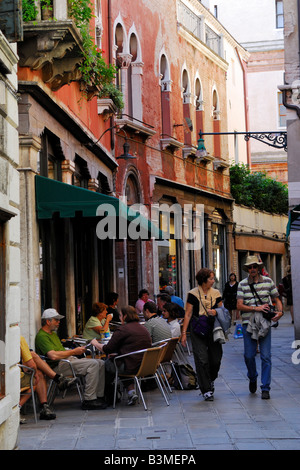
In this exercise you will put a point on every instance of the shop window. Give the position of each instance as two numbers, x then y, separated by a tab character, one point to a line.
219	255
81	175
51	156
168	255
103	184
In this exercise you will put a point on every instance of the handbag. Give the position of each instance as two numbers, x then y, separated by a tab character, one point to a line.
200	325
268	315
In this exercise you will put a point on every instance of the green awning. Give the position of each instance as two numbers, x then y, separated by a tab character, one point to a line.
55	197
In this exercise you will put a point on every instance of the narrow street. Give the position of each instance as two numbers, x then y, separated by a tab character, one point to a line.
235	420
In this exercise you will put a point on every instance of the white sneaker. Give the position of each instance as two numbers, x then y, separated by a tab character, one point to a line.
132	399
208	396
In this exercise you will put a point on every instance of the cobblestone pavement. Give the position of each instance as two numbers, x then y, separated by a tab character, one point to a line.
235	420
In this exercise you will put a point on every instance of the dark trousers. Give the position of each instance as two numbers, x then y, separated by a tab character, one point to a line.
207	356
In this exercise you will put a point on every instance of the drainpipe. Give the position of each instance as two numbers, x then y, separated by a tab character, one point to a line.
285	88
110	58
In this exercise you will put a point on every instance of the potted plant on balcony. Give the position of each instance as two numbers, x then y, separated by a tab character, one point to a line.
29	10
47	10
97	76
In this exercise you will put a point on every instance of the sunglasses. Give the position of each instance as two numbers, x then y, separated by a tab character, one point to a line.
255	266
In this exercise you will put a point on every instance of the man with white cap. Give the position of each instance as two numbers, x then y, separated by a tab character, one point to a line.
47	343
254	296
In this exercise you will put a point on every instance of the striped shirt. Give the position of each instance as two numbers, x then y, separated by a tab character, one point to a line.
158	328
265	288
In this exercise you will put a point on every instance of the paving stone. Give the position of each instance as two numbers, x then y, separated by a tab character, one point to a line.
235	420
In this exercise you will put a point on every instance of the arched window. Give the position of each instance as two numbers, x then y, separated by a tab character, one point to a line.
186	88
135	71
119	41
165	83
98	24
199	106
215	106
216	123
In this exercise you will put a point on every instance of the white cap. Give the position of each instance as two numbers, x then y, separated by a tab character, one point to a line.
51	313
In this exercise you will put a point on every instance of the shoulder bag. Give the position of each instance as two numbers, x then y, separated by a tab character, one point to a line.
270	313
200	325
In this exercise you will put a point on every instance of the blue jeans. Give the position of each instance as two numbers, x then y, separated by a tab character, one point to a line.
250	346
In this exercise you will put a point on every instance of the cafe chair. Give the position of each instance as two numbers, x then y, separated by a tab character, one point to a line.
167	359
27	392
52	388
148	370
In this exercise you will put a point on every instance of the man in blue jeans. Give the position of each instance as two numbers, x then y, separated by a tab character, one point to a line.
255	294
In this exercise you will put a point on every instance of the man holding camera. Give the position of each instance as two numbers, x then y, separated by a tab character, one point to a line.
254	298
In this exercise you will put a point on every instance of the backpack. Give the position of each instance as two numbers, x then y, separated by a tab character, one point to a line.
187	376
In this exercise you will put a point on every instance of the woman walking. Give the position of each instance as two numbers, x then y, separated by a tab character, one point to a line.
229	297
200	314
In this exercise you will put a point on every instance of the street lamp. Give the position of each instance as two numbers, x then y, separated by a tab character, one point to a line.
201	150
126	155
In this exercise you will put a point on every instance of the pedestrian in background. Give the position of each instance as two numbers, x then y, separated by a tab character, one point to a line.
288	290
229	297
254	296
200	310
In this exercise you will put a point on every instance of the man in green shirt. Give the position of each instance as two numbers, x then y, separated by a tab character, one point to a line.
48	344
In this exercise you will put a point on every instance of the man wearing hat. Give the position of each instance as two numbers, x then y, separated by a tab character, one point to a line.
252	303
48	344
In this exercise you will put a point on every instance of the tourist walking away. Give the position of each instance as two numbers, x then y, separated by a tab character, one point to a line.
288	291
200	313
47	343
229	297
254	300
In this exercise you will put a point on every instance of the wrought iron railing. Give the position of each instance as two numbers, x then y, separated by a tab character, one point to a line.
196	25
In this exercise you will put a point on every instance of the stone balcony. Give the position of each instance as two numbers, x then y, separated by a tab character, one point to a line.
53	44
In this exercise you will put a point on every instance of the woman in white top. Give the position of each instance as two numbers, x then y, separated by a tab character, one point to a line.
170	313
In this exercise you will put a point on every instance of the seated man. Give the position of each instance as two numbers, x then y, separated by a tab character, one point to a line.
39	381
161	300
174	298
157	326
143	298
48	344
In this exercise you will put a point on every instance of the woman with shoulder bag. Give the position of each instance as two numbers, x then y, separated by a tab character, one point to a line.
200	315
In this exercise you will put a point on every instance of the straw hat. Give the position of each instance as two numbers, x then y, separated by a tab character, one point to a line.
254	259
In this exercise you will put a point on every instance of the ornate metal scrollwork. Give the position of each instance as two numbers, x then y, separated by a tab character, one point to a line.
273	139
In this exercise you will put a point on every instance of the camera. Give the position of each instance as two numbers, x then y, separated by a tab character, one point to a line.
270	313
